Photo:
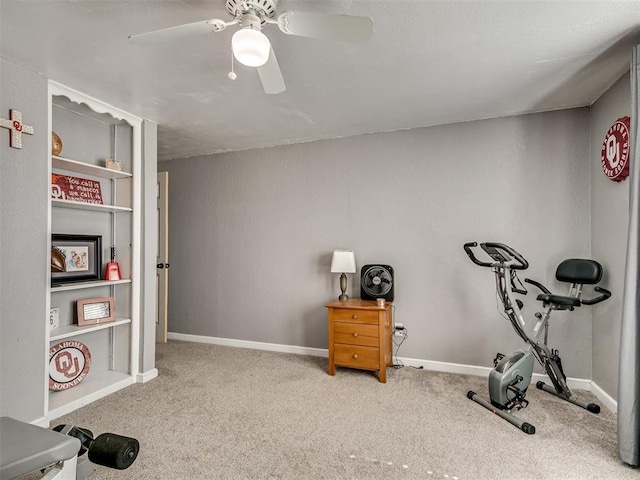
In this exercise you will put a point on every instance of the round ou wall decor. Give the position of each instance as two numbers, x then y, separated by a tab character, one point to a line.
615	150
69	363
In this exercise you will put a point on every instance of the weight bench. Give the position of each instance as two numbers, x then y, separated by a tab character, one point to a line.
26	448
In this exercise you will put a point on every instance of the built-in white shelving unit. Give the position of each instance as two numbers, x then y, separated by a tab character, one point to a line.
92	131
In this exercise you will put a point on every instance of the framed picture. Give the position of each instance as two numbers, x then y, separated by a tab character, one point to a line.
75	258
95	310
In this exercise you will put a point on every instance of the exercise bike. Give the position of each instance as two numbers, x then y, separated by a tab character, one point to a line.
511	375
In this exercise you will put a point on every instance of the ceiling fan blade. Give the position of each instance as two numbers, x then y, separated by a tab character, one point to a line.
344	28
178	32
270	75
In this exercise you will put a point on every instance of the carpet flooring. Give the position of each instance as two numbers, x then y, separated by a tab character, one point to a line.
219	412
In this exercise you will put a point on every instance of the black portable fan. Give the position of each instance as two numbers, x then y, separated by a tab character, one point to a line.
376	281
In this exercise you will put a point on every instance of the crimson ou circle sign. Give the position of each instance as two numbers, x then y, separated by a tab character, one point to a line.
69	363
615	150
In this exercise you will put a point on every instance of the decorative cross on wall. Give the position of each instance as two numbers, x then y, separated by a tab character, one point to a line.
16	128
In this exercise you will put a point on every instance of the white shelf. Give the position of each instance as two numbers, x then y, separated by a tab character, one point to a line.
89	206
81	167
74	330
89	390
81	285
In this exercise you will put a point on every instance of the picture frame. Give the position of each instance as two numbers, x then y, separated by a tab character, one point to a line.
92	311
75	258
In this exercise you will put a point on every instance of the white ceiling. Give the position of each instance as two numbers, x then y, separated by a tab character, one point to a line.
428	63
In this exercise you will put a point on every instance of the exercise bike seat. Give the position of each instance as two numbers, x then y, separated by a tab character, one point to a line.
579	270
576	271
559	300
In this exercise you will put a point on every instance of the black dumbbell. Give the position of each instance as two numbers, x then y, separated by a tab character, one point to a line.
109	449
114	451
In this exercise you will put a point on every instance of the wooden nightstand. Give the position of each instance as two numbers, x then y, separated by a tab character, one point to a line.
360	336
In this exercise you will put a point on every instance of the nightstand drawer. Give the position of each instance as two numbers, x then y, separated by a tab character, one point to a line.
355	334
359	357
355	316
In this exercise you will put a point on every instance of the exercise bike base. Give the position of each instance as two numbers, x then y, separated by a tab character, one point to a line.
512	419
591	407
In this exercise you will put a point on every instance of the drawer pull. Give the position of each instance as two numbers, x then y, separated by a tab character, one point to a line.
354	316
355	334
355	356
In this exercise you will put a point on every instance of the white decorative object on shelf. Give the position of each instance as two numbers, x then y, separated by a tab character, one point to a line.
54	317
113	164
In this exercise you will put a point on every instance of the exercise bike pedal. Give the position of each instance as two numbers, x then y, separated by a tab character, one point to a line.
498	357
521	404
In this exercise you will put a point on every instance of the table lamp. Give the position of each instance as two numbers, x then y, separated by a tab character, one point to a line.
343	262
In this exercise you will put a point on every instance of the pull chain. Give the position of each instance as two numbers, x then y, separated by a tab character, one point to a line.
232	75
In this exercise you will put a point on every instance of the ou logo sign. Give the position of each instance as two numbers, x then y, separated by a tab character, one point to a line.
615	150
69	364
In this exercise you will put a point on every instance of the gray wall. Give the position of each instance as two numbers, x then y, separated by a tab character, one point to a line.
24	187
251	233
609	217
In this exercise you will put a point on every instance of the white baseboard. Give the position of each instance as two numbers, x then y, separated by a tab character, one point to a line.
577	383
573	383
146	376
446	367
606	399
229	342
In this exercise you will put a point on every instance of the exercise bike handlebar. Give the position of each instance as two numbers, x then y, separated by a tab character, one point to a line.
521	263
474	259
538	284
605	294
592	301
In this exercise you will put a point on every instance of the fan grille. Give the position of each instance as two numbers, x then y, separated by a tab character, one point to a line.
377	281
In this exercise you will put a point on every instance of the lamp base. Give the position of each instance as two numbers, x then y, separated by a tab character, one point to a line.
343	287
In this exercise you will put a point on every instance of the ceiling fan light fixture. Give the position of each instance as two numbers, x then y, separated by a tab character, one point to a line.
250	47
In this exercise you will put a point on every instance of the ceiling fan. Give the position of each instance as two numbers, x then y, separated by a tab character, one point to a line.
252	48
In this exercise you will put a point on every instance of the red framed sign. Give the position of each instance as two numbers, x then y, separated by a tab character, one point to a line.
64	187
615	150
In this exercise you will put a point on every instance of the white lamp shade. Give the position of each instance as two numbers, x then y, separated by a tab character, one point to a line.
250	47
343	261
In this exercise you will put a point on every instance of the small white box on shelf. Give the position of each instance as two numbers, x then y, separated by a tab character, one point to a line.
112	164
54	318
